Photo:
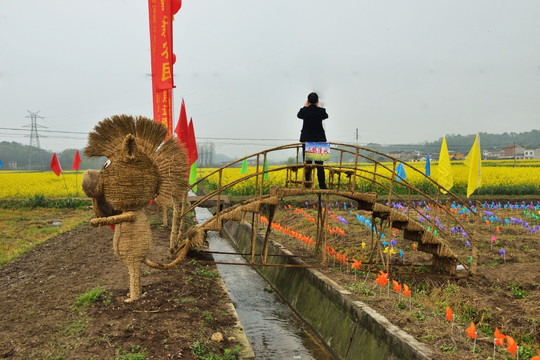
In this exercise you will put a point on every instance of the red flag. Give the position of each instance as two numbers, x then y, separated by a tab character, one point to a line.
182	130
382	279
499	337
406	290
397	286
55	165
162	59
512	346
160	16
76	161
471	330
449	314
162	101
192	144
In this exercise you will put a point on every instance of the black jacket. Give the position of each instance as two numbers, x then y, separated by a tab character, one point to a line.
312	130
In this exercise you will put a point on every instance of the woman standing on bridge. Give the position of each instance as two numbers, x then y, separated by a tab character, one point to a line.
313	131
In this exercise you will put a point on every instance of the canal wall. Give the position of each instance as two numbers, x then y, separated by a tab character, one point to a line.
351	329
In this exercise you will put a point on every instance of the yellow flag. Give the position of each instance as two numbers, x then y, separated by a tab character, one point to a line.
445	178
473	161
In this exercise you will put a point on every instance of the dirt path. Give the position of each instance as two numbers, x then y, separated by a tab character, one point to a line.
183	307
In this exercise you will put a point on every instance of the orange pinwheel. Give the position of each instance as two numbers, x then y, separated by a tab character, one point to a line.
397	286
512	346
536	357
499	338
338	257
449	314
471	331
382	278
406	290
356	264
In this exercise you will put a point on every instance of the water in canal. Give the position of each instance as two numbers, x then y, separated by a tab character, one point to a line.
272	329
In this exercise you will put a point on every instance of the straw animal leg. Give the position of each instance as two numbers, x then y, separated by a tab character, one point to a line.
135	288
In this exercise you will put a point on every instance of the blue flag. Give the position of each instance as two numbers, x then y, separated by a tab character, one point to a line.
401	172
428	166
0	163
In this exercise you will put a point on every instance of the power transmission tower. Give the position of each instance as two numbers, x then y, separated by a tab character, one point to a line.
35	148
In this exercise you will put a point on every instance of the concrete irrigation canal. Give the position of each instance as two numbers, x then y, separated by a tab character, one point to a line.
348	329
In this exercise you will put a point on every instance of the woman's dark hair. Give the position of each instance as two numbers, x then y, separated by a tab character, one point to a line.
313	98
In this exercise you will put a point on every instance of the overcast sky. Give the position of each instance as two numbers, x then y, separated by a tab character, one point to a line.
399	71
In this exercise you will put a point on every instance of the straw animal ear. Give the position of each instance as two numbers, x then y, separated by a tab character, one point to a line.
129	145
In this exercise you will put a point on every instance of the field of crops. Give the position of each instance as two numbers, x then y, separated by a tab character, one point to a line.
24	185
498	177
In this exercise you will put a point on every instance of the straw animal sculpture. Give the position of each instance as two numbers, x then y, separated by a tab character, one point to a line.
139	167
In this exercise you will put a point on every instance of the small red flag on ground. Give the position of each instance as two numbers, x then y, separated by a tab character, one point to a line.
406	290
382	279
499	337
449	314
55	165
471	331
512	346
397	286
76	161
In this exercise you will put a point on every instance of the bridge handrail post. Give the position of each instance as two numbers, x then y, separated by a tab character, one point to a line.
261	190
218	208
257	177
392	183
374	177
354	172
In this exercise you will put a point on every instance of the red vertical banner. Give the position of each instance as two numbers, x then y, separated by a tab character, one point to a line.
160	16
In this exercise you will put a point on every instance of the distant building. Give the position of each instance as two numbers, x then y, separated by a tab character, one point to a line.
456	156
514	150
405	156
531	154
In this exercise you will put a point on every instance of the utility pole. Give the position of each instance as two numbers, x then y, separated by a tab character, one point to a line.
34	138
514	138
356	136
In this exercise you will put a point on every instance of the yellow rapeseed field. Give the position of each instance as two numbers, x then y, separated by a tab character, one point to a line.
497	177
23	185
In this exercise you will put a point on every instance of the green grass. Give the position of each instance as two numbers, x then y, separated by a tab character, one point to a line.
136	352
88	298
23	228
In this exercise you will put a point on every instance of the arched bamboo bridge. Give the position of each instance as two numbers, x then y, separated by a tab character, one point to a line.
362	179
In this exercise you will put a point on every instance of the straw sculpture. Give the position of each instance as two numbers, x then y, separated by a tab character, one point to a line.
139	167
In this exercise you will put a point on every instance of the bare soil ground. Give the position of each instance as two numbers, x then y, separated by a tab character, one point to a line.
40	318
504	294
184	306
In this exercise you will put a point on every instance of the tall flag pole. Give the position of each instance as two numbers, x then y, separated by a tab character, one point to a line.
444	168
473	161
